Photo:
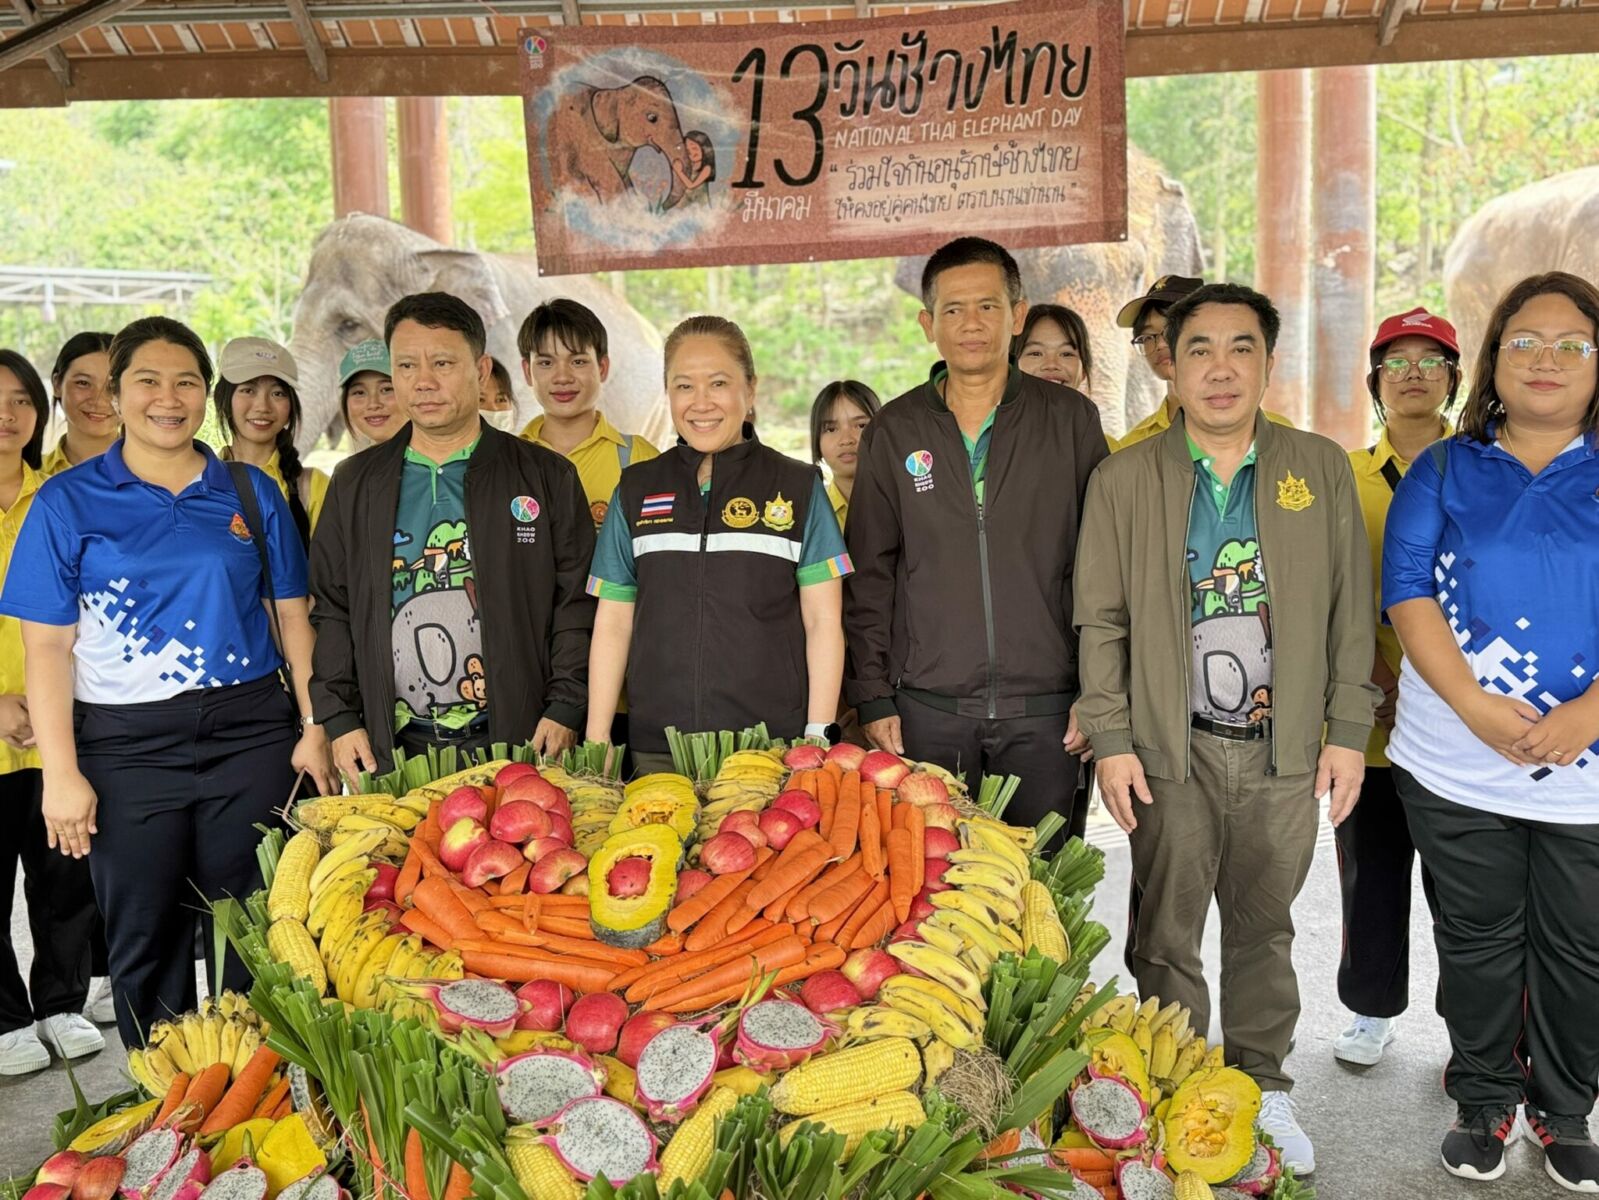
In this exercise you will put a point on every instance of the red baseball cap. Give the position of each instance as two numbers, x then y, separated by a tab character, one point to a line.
1418	322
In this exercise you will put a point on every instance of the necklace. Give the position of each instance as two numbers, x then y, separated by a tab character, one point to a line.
1504	436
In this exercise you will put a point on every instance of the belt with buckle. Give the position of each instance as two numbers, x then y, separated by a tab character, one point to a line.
1224	729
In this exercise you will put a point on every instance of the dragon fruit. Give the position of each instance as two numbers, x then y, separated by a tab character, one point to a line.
602	1136
675	1069
318	1185
242	1181
1138	1180
184	1179
775	1035
535	1086
1078	1189
479	1003
147	1160
1228	1193
1260	1175
1109	1112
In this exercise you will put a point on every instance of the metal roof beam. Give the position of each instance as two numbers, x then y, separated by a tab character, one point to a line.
54	58
306	28
1393	12
571	12
36	39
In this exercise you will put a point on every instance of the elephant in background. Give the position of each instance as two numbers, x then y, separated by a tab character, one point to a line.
1096	279
1551	225
360	265
595	132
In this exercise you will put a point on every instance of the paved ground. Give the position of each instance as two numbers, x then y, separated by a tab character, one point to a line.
1376	1132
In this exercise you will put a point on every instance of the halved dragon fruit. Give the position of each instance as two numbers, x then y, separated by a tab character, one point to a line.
1109	1112
535	1086
184	1179
1138	1180
242	1181
1260	1176
1228	1193
775	1035
675	1069
148	1159
318	1185
602	1136
480	1003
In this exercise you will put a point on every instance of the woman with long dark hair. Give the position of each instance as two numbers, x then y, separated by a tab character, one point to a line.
1054	345
840	413
159	604
78	388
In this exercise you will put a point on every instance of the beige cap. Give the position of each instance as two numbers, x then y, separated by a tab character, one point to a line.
247	358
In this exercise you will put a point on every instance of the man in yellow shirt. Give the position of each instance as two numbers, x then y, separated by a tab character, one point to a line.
1415	372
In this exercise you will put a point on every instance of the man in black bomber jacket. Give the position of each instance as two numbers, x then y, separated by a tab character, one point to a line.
963	530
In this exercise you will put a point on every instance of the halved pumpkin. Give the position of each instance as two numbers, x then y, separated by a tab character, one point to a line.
628	903
660	799
1210	1126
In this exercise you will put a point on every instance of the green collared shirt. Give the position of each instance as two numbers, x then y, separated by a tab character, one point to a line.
976	448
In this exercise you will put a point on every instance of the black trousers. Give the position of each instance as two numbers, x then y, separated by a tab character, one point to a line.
1029	747
62	916
1518	952
1375	859
182	785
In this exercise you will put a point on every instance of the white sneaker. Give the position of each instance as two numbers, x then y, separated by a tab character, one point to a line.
1363	1042
70	1035
22	1053
1277	1118
100	1007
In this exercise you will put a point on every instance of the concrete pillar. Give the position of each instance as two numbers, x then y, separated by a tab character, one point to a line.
1282	231
358	128
424	166
1343	271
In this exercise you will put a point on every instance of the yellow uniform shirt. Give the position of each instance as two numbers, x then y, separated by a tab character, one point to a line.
11	673
599	459
839	503
1158	422
316	486
56	461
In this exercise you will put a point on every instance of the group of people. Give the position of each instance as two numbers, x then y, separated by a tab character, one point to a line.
984	581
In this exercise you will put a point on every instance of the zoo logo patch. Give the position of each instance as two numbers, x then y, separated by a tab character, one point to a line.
1294	494
919	463
739	513
525	509
779	514
239	529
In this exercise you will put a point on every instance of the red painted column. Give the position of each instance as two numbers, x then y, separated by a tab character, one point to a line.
358	129
1282	231
1343	270
425	166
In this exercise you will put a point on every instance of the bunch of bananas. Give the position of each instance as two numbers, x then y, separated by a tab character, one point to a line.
1163	1034
336	819
594	804
225	1029
746	780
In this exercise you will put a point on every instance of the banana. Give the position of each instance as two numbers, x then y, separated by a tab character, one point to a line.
211	1038
228	1039
141	1074
1215	1057
1168	1016
1142	1038
393	845
946	1023
1011	939
191	1029
953	782
978	836
1024	837
324	813
1124	1016
969	929
161	1068
1162	1053
998	880
447	966
377	816
974	856
410	946
1188	1060
345	873
1007	908
1148	1009
1113	1012
362	844
353	969
970	1014
356	936
249	1042
942	936
875	1021
941	966
335	902
938	1056
970	904
341	920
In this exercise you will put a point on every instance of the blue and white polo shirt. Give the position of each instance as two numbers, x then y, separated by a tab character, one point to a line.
165	590
1513	560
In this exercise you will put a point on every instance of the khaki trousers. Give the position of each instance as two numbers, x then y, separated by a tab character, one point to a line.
1233	832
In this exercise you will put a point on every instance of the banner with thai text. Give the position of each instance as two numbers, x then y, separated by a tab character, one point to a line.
678	146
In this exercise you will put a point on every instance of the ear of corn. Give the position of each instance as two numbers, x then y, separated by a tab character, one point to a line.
689	1152
291	885
1041	927
1191	1187
290	942
538	1170
893	1110
845	1077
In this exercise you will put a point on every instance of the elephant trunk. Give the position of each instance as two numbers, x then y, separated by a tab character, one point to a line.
318	361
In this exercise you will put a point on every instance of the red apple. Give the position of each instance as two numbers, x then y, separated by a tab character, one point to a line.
458	842
638	1031
846	756
539	847
578	885
726	853
537	790
933	871
382	888
509	774
746	824
829	991
519	822
560	826
803	806
779	825
867	967
921	906
461	804
691	881
939	843
489	861
921	788
629	877
882	769
62	1168
941	816
547	1004
804	757
551	871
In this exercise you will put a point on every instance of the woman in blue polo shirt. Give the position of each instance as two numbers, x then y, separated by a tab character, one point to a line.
1491	579
153	688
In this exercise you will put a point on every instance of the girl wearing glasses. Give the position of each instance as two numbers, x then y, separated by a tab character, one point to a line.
1491	579
1415	372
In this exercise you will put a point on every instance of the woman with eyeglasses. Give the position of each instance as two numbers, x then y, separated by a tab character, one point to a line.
1415	372
1491	579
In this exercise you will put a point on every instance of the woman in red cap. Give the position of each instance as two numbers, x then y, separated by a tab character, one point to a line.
1415	373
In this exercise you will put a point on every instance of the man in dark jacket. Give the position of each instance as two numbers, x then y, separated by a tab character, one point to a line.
963	531
448	568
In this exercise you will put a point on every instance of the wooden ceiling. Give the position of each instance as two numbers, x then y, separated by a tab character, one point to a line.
169	49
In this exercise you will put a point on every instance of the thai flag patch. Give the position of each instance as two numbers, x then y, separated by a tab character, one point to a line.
659	505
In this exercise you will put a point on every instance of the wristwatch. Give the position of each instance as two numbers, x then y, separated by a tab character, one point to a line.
831	732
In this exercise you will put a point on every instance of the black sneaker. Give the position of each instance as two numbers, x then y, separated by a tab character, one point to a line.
1474	1147
1570	1156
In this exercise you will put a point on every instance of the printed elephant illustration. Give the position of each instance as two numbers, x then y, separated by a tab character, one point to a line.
361	264
595	132
1096	279
425	653
1551	225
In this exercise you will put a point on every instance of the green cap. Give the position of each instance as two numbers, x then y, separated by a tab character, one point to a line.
370	355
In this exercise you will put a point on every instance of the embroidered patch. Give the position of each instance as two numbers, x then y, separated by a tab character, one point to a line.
1294	494
239	529
525	509
779	514
597	511
919	463
658	505
739	513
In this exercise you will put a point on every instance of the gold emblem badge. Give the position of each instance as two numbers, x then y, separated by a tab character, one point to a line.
739	513
1294	494
779	514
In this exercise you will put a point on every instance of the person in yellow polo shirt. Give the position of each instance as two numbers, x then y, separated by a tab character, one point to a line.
1415	372
62	916
840	412
1146	317
78	383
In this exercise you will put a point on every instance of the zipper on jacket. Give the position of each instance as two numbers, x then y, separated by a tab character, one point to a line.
699	608
988	604
1188	634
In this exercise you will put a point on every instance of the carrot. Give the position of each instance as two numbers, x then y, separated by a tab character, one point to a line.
410	873
765	860
793	867
901	872
274	1097
459	1184
430	929
665	946
566	906
834	768
685	912
175	1090
875	928
473	899
416	1174
821	957
549	944
758	932
239	1103
512	885
204	1094
438	902
431	866
1085	1158
572	927
284	1109
428	830
827	800
916	826
885	816
772	957
620	983
799	906
578	974
871	837
846	825
862	912
804	781
841	897
899	812
775	910
714	927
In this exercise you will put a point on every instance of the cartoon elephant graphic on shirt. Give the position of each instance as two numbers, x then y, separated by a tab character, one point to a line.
435	672
595	132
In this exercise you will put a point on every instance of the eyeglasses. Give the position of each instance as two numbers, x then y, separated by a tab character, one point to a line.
1397	368
1568	353
1143	340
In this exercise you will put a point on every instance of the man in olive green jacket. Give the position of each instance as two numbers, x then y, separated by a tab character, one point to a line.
1223	605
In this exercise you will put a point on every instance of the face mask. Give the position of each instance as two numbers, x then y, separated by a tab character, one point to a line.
503	421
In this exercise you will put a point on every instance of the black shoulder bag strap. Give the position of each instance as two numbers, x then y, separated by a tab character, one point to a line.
252	520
